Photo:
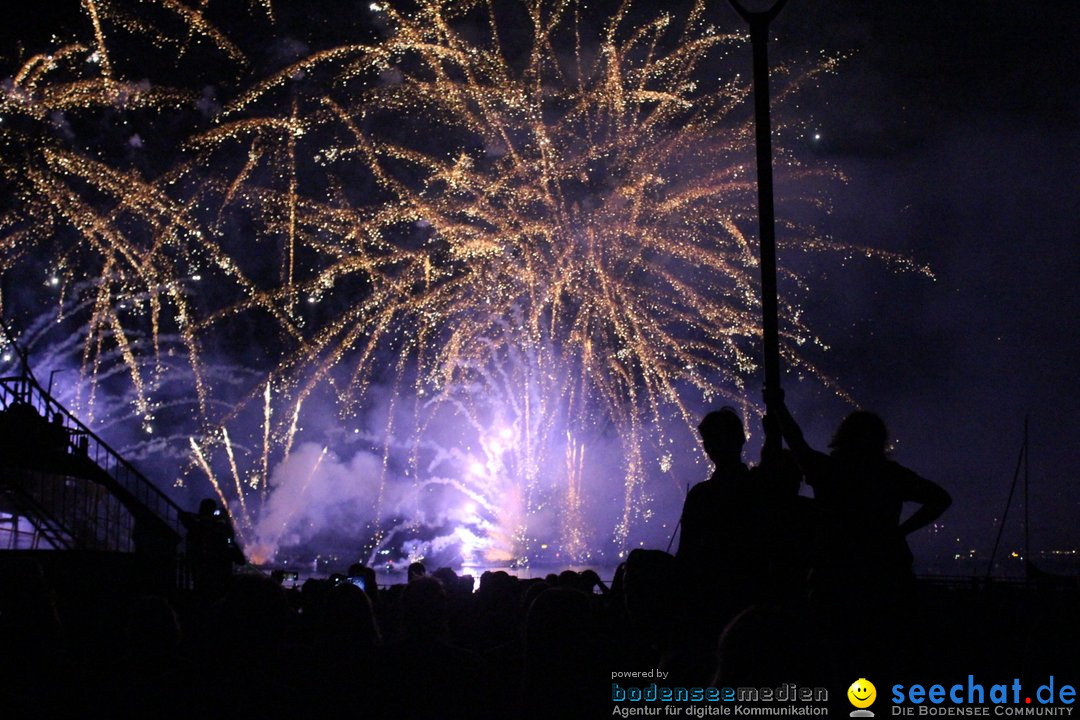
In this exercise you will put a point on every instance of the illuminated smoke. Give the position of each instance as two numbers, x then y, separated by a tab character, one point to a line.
509	253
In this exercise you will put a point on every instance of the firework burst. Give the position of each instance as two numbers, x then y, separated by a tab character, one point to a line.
108	243
529	222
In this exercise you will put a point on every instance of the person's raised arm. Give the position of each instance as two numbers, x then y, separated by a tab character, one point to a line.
590	576
792	433
814	464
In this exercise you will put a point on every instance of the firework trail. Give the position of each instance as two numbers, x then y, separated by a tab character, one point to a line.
527	220
105	240
575	233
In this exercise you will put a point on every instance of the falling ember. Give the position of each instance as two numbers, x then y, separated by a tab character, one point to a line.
246	516
265	459
573	522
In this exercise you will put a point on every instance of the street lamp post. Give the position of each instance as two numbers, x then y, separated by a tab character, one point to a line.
770	331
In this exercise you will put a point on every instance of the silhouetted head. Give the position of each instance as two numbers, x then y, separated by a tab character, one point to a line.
722	435
371	586
862	433
207	507
569	578
498	583
416	570
456	586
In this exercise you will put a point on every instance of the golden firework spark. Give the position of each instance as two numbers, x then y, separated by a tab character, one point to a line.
492	209
572	211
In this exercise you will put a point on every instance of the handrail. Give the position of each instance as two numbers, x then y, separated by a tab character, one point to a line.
47	525
83	439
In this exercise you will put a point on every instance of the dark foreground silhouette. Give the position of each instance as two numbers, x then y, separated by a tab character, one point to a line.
767	588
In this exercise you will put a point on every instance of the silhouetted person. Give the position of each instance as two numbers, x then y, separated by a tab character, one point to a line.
861	494
339	671
370	582
416	570
57	436
591	582
657	596
863	572
211	549
245	663
788	545
24	433
531	593
724	523
653	587
564	661
348	630
722	438
494	611
424	674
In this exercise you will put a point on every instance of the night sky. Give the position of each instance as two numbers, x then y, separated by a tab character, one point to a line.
957	125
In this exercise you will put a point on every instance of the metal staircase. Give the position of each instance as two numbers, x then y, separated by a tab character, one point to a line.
63	487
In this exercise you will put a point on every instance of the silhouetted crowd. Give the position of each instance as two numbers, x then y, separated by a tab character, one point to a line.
767	587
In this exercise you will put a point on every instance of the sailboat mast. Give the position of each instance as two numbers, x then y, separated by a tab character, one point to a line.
1027	524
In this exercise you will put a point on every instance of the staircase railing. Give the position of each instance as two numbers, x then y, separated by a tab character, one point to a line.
88	456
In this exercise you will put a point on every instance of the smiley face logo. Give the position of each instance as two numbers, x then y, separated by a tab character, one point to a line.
862	693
